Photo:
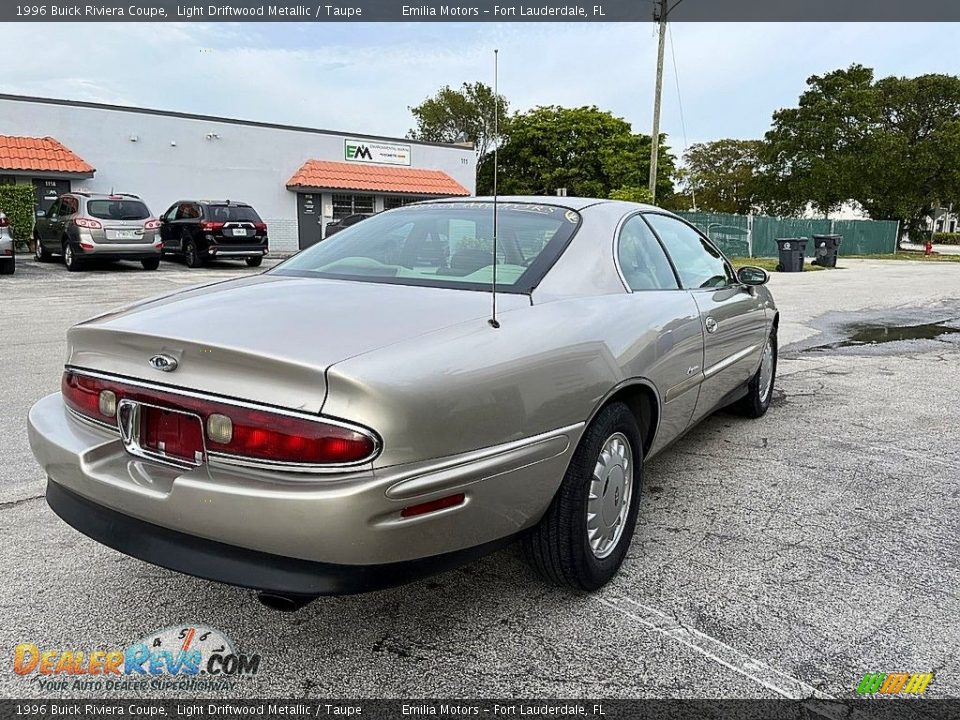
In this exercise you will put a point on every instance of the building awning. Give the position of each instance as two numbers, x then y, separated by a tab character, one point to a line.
326	175
46	154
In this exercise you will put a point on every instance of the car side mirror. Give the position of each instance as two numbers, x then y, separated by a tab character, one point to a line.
750	275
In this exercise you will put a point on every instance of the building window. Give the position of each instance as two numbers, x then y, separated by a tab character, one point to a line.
344	205
8	180
393	201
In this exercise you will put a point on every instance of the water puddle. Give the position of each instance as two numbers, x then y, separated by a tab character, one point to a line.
870	335
874	335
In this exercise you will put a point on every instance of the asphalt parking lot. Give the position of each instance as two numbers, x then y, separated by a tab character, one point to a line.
781	557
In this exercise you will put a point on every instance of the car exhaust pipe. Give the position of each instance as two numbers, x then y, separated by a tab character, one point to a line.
284	602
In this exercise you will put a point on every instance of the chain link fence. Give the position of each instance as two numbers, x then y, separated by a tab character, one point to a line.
756	235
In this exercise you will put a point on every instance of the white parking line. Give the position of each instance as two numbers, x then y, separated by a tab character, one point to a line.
719	652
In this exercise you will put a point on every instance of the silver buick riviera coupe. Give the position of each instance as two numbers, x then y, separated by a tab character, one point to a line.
357	417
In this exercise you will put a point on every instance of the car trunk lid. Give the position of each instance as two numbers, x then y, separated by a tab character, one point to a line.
267	338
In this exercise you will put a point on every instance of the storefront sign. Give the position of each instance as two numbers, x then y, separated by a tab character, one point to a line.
376	152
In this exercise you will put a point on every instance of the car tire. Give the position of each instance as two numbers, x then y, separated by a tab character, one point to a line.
40	253
8	266
760	388
70	258
605	473
150	263
254	261
191	256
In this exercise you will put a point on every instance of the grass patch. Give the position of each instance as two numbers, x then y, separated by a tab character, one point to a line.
916	255
768	264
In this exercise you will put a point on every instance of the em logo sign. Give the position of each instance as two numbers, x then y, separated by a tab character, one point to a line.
383	153
898	683
358	152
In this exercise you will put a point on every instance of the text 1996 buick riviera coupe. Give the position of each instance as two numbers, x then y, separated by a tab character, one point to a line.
354	418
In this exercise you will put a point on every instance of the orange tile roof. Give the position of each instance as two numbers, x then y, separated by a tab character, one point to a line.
377	178
41	154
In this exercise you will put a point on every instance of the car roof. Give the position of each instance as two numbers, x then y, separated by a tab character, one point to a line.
104	196
567	201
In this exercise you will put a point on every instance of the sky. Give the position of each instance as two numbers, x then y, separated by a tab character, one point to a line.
363	77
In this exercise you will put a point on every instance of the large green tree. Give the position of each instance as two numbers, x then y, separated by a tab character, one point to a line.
913	161
721	175
814	152
464	115
588	151
890	145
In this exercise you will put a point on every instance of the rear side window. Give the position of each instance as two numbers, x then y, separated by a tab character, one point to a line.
642	261
117	209
68	205
188	211
232	213
698	263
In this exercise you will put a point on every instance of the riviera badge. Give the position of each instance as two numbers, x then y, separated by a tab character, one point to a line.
163	363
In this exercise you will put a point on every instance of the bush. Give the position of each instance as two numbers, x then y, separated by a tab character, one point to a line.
632	193
944	238
17	203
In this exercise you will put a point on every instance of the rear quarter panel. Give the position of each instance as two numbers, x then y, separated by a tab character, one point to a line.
547	367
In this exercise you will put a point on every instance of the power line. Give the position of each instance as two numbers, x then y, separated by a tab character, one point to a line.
683	122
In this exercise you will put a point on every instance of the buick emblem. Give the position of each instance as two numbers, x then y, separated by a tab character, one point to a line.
163	363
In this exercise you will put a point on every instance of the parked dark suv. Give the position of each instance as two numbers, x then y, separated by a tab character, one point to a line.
199	230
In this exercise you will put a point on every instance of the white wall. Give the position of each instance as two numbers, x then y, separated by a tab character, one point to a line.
245	163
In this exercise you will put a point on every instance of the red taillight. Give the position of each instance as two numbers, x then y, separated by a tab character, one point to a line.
260	226
6	223
82	394
89	223
433	505
210	226
151	224
233	431
87	245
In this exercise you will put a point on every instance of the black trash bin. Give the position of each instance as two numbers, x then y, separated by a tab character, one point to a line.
826	248
791	254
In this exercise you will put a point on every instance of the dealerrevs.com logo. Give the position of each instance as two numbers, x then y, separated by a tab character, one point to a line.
896	683
184	657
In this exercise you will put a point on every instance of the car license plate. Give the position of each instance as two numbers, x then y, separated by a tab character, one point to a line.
171	434
239	232
127	234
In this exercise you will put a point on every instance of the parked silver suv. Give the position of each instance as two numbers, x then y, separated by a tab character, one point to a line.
7	248
80	225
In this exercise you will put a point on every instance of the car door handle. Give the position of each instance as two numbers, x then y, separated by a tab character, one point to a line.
710	324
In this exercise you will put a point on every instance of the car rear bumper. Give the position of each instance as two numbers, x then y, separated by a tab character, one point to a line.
302	533
118	251
237	251
234	565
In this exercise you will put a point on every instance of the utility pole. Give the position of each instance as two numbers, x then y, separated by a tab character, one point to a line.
662	6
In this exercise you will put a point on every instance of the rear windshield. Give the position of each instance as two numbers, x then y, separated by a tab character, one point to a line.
444	245
232	213
117	209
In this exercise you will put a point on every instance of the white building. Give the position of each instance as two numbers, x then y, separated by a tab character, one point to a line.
298	179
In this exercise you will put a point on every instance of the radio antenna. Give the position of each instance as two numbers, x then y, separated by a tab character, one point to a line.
496	138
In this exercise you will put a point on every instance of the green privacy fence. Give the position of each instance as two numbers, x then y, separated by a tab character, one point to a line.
756	235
